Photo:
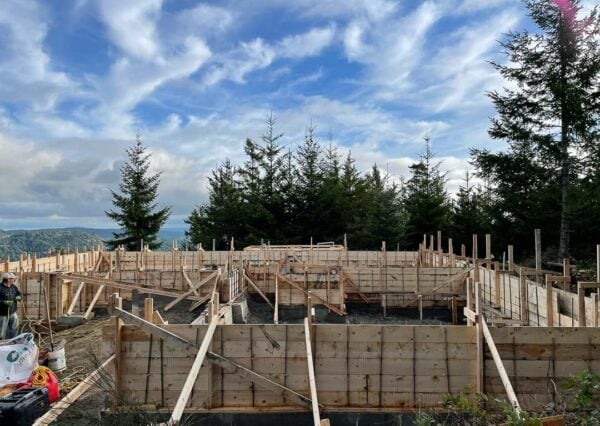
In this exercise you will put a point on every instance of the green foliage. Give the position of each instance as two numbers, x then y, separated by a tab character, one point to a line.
550	119
587	389
520	418
465	407
42	241
586	402
136	212
426	201
424	418
290	197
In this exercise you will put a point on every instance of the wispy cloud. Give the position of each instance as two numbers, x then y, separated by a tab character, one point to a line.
197	78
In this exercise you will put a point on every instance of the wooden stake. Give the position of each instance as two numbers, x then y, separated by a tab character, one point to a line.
479	341
549	302
488	247
538	250
148	309
581	305
510	393
311	374
511	259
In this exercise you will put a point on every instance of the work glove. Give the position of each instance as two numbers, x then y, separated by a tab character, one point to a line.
18	298
8	302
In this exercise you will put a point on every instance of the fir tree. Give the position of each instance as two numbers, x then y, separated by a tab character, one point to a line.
137	213
550	118
425	198
218	219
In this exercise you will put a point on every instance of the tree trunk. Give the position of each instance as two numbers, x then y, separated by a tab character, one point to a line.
563	249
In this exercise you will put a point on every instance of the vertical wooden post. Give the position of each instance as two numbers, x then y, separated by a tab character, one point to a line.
276	306
420	299
497	284
454	311
523	302
469	297
117	302
346	250
148	309
538	251
463	251
488	247
431	243
581	306
451	253
309	307
598	263
439	249
566	273
381	279
511	259
479	340
594	319
474	260
549	302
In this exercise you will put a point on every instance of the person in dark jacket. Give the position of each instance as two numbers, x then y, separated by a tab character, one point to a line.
10	296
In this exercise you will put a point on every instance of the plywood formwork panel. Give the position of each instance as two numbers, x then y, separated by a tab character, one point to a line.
539	360
355	366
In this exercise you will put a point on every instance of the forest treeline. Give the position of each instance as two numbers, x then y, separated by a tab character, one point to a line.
548	177
289	196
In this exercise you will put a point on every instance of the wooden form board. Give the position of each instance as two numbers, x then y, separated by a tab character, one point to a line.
67	262
355	365
538	358
192	260
564	303
400	284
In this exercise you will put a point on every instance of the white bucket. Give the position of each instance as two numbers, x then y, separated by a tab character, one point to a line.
56	359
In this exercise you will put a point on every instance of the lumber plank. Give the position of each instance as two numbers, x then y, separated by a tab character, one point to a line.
88	312
73	395
215	275
75	298
512	397
311	375
193	374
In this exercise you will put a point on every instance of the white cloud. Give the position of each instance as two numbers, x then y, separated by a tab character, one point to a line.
26	72
234	65
310	43
202	20
130	82
132	25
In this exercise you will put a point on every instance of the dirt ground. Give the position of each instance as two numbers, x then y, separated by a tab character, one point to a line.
261	313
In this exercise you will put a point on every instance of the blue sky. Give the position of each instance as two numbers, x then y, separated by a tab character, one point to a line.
79	78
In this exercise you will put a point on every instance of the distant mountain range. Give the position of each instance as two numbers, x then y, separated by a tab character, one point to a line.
41	241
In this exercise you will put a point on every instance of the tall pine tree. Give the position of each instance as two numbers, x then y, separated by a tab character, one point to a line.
425	198
550	115
136	210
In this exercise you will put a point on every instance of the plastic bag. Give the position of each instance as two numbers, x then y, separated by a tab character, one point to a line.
18	358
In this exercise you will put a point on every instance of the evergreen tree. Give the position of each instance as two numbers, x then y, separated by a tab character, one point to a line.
471	212
331	201
551	116
309	185
136	212
425	198
219	218
271	175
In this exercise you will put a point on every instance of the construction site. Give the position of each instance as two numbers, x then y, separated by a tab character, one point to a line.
319	332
